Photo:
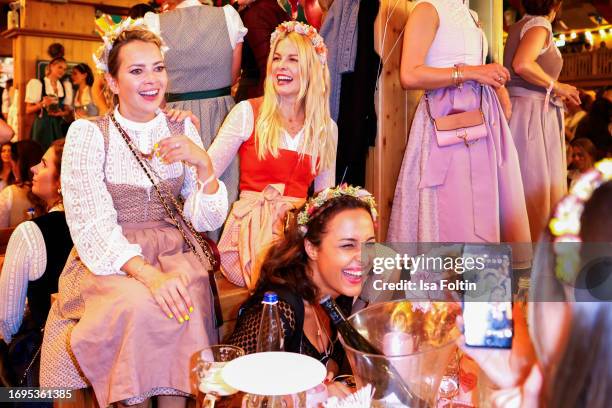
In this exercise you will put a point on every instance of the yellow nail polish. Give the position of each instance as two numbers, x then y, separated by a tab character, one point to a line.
186	317
181	320
170	316
190	309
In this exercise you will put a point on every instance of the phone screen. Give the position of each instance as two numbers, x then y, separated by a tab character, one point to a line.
487	312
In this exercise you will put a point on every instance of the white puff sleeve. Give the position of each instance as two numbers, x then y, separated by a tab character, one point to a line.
207	212
235	27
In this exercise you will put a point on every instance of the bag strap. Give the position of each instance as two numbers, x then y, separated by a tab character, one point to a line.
431	118
178	218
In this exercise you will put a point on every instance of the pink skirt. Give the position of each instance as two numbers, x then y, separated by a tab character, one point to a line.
109	332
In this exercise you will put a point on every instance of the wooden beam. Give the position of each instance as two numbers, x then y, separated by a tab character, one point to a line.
32	32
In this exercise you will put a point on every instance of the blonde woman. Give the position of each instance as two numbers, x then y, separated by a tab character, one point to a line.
285	141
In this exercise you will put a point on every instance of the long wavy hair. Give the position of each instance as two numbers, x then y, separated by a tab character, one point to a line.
27	154
583	375
313	95
287	262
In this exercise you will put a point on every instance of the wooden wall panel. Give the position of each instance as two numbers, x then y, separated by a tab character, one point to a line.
68	18
395	109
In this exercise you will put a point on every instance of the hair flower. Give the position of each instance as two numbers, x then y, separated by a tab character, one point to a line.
314	204
306	30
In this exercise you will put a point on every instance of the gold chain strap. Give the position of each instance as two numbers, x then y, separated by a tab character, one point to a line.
165	195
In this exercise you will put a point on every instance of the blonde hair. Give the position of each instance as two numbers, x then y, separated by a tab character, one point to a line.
314	95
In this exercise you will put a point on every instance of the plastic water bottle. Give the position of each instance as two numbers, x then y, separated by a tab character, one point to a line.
270	336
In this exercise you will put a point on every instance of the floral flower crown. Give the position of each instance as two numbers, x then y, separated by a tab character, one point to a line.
110	32
565	224
312	206
305	30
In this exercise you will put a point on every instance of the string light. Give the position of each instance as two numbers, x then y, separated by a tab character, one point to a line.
602	32
561	41
589	37
573	35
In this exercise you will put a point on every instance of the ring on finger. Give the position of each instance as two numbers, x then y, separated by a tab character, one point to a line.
500	78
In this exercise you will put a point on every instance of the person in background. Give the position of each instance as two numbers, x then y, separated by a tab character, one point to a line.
6	98
574	114
6	168
139	10
6	132
537	100
464	191
260	17
561	355
17	202
35	256
132	229
84	105
319	255
597	125
583	155
50	99
203	62
285	141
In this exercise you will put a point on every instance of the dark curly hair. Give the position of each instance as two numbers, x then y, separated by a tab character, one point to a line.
539	7
286	262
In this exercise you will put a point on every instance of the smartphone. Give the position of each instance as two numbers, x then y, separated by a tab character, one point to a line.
488	324
487	311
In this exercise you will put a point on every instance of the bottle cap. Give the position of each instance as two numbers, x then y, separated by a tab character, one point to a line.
270	297
324	299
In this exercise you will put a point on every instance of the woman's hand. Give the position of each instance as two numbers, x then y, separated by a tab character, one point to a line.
504	100
176	115
170	292
336	388
494	74
182	148
506	368
568	92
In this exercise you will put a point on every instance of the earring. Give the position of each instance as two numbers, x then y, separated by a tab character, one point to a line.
59	191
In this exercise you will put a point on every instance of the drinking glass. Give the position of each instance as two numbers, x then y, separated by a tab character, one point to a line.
209	363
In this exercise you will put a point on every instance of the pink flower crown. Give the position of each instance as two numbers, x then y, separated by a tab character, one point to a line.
565	224
306	30
310	209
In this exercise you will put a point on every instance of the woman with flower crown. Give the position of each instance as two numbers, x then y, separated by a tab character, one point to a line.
134	300
319	255
561	358
285	141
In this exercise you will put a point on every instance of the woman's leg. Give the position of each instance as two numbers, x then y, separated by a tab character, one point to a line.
171	401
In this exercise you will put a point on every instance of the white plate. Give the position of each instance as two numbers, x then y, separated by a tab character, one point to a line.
274	373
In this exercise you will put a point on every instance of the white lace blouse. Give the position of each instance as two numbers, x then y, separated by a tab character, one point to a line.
90	214
238	127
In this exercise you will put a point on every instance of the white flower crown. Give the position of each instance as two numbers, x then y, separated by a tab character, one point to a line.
110	32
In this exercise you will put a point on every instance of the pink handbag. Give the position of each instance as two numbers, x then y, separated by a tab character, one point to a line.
466	127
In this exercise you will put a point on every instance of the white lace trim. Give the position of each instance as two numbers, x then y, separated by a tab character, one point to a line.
90	213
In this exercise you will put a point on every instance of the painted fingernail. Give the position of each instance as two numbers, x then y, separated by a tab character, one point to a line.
156	146
170	316
181	320
186	317
190	309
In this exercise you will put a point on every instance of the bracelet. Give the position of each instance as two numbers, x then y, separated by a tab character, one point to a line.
458	75
208	181
551	86
140	268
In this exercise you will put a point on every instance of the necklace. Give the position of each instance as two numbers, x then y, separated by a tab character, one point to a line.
128	140
320	332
